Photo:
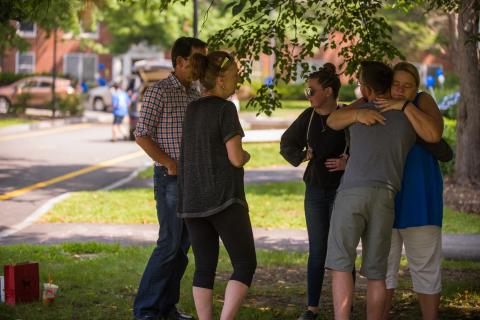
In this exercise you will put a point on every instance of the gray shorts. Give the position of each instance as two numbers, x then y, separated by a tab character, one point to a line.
423	248
365	213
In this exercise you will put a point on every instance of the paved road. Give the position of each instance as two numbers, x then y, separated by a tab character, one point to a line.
28	158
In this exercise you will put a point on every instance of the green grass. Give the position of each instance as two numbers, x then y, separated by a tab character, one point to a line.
265	154
460	222
272	205
277	205
99	281
7	122
286	104
116	206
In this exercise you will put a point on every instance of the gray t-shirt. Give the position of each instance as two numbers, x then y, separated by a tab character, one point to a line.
207	182
378	152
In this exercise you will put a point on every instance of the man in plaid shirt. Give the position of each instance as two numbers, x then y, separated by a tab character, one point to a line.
159	133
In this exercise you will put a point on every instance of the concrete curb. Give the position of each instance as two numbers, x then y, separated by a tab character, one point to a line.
256	130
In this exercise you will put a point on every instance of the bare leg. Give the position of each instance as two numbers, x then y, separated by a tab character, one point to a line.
123	130
234	295
203	303
376	297
429	303
114	132
342	291
388	303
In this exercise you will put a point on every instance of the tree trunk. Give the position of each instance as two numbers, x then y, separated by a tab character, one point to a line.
467	162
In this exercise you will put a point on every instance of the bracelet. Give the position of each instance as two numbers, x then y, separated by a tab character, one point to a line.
405	105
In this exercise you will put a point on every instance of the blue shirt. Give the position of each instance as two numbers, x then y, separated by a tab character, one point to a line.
420	201
120	102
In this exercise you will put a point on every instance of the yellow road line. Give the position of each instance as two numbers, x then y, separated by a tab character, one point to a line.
70	175
44	132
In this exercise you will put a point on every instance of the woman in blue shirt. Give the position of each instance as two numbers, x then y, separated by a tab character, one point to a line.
419	204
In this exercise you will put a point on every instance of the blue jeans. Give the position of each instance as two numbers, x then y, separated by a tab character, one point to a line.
159	289
318	210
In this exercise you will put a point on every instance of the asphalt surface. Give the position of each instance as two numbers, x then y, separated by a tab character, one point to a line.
26	160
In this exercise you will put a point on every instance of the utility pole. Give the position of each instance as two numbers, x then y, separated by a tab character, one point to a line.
54	73
195	18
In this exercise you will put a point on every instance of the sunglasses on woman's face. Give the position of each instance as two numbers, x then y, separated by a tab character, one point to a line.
309	92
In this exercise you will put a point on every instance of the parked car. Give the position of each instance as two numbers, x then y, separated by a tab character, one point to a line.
149	73
38	89
100	98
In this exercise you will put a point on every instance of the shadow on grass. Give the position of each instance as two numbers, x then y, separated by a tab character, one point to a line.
99	281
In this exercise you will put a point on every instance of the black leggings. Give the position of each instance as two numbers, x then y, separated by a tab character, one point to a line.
233	226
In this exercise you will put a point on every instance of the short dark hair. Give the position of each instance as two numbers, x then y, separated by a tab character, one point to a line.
327	77
376	75
183	48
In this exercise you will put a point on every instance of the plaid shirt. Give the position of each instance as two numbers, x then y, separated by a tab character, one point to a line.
161	116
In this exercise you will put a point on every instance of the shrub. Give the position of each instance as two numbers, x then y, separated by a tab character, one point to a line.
451	112
7	78
295	91
449	134
347	92
21	105
70	105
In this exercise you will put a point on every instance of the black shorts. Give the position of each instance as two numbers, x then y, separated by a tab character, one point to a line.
118	119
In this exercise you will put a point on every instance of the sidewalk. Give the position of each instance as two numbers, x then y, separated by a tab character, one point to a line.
261	129
456	247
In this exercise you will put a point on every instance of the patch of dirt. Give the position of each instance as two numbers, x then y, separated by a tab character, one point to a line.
464	198
281	291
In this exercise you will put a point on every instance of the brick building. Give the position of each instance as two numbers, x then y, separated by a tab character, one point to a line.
71	58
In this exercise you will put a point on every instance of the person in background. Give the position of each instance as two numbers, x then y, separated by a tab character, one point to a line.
211	187
84	86
419	204
132	113
309	138
120	105
159	133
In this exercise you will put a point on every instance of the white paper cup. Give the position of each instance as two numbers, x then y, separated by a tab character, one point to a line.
49	292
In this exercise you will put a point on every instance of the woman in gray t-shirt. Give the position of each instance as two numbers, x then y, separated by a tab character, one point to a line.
211	197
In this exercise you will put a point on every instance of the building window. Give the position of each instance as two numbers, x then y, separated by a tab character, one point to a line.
85	33
81	66
89	33
27	29
25	62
